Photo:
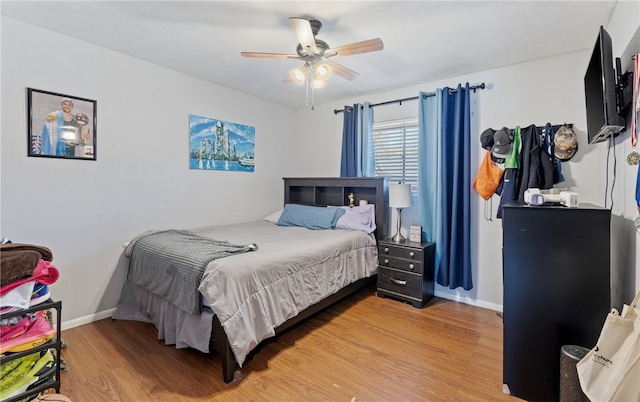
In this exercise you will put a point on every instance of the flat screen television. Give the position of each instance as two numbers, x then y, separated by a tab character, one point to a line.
603	120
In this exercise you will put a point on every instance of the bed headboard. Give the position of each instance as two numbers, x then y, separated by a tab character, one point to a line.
323	191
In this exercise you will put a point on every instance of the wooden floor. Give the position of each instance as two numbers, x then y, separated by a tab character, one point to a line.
363	349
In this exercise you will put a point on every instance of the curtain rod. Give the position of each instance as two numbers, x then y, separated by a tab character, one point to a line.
451	91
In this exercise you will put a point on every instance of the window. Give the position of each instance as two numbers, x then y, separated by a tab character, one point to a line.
396	150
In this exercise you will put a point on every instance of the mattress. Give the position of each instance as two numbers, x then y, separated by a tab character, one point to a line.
253	293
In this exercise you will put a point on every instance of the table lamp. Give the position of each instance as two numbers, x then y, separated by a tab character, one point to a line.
399	197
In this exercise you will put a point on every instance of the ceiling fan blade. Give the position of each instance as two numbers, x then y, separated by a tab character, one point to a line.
366	46
342	71
302	28
269	55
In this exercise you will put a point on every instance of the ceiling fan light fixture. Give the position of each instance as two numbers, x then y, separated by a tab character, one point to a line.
315	54
322	71
316	83
299	75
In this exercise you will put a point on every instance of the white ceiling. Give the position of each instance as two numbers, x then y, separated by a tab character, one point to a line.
423	40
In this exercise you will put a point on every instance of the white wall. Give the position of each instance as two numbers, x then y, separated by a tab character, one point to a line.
624	29
537	92
85	210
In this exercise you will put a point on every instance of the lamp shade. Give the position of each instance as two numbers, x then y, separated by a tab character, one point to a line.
400	195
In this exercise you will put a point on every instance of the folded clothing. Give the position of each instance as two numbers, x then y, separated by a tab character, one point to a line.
37	332
44	273
33	370
19	260
14	330
18	298
27	295
17	265
45	252
17	325
13	370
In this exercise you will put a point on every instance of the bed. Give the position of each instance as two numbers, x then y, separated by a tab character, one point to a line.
274	276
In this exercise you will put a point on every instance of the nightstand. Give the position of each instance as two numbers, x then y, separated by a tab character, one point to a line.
406	271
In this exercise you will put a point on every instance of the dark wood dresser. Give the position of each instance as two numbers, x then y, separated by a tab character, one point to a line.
556	266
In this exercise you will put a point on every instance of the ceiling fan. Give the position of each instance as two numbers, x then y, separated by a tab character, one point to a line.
315	53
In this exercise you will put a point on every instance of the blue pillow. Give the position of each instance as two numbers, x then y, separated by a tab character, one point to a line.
310	217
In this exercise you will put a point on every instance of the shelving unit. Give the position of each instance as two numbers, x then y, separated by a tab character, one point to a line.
54	343
324	192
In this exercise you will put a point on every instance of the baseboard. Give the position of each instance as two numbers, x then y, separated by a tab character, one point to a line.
108	313
468	300
87	319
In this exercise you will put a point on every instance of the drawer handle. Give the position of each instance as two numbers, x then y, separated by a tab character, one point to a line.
411	267
398	281
386	249
411	254
386	261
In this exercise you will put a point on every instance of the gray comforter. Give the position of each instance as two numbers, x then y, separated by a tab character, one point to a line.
253	293
294	268
171	263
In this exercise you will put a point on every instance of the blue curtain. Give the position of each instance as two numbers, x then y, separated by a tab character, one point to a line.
349	159
444	182
367	162
357	158
429	168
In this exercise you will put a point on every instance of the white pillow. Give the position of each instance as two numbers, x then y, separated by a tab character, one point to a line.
273	217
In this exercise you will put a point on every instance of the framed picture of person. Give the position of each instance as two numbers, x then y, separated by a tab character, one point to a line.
61	126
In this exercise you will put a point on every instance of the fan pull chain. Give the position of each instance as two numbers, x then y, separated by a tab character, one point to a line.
307	85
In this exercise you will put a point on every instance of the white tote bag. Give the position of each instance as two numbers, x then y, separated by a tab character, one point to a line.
611	370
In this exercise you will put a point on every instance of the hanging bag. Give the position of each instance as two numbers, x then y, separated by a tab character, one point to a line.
488	177
611	370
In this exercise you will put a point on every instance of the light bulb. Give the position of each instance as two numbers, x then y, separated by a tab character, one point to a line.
323	71
316	83
299	74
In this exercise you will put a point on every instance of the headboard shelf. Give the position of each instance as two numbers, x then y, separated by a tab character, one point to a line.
323	191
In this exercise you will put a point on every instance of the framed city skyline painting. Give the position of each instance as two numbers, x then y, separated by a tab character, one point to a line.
220	145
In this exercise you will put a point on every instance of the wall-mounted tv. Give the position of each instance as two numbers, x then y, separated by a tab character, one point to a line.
603	120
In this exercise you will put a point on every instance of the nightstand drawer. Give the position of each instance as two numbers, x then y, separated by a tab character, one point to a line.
385	250
405	265
400	282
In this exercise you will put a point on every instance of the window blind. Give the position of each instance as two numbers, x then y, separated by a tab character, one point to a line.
396	150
